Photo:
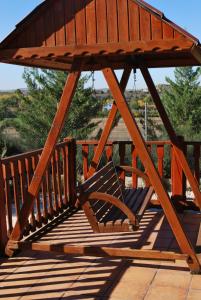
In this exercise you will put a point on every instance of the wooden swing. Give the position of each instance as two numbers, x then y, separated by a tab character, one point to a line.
95	36
108	206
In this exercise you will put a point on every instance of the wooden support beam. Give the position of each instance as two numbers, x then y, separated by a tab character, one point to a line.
177	147
50	143
108	126
101	251
175	224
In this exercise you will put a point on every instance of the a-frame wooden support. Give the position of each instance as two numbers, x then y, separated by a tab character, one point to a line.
175	224
108	126
50	143
172	135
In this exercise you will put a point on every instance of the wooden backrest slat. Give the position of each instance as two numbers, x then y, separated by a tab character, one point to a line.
95	177
101	182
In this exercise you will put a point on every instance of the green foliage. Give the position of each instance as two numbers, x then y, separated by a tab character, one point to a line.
8	110
38	107
183	102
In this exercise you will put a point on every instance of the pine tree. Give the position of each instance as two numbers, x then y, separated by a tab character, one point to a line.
38	106
183	102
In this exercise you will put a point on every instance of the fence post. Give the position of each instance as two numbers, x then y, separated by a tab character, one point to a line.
3	225
177	174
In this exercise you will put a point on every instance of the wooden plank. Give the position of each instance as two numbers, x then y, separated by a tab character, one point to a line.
58	8
40	32
173	137
49	27
102	251
134	21
123	20
156	28
112	21
55	130
80	23
69	9
168	31
91	22
101	19
184	243
145	25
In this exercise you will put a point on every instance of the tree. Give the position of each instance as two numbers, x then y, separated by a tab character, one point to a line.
38	106
183	102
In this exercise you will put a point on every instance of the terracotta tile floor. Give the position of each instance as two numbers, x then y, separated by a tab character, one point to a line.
36	275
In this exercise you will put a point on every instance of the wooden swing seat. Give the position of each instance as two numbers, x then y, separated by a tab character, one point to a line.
109	207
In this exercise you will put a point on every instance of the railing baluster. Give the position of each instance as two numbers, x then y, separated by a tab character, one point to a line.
65	174
16	192
38	209
85	153
196	154
29	172
122	151
3	225
134	165
160	156
7	179
109	152
44	198
58	173
54	185
49	192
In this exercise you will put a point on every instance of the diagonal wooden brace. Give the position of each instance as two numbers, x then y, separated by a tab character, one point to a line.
50	143
108	126
184	243
172	135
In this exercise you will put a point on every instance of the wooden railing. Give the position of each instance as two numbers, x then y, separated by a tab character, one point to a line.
58	188
56	192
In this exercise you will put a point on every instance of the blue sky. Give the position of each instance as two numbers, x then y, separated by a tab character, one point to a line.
184	13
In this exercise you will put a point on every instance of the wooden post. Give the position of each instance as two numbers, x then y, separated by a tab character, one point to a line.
177	174
137	138
172	135
3	224
47	152
108	126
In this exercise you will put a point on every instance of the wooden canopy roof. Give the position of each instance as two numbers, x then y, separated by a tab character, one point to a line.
92	34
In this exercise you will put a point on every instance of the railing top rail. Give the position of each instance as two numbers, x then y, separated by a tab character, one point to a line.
29	154
95	142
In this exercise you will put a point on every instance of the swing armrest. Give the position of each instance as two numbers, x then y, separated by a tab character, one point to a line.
94	196
138	172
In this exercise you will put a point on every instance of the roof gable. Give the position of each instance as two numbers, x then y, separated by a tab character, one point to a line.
89	22
58	32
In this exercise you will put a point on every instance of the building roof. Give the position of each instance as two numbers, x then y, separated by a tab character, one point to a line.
92	34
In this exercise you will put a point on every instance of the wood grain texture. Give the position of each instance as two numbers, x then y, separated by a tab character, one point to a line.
101	18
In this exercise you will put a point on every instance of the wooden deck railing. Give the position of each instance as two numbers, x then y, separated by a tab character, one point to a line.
58	189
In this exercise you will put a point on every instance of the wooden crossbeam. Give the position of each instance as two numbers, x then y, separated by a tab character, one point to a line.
101	251
172	135
108	126
105	49
175	224
48	149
